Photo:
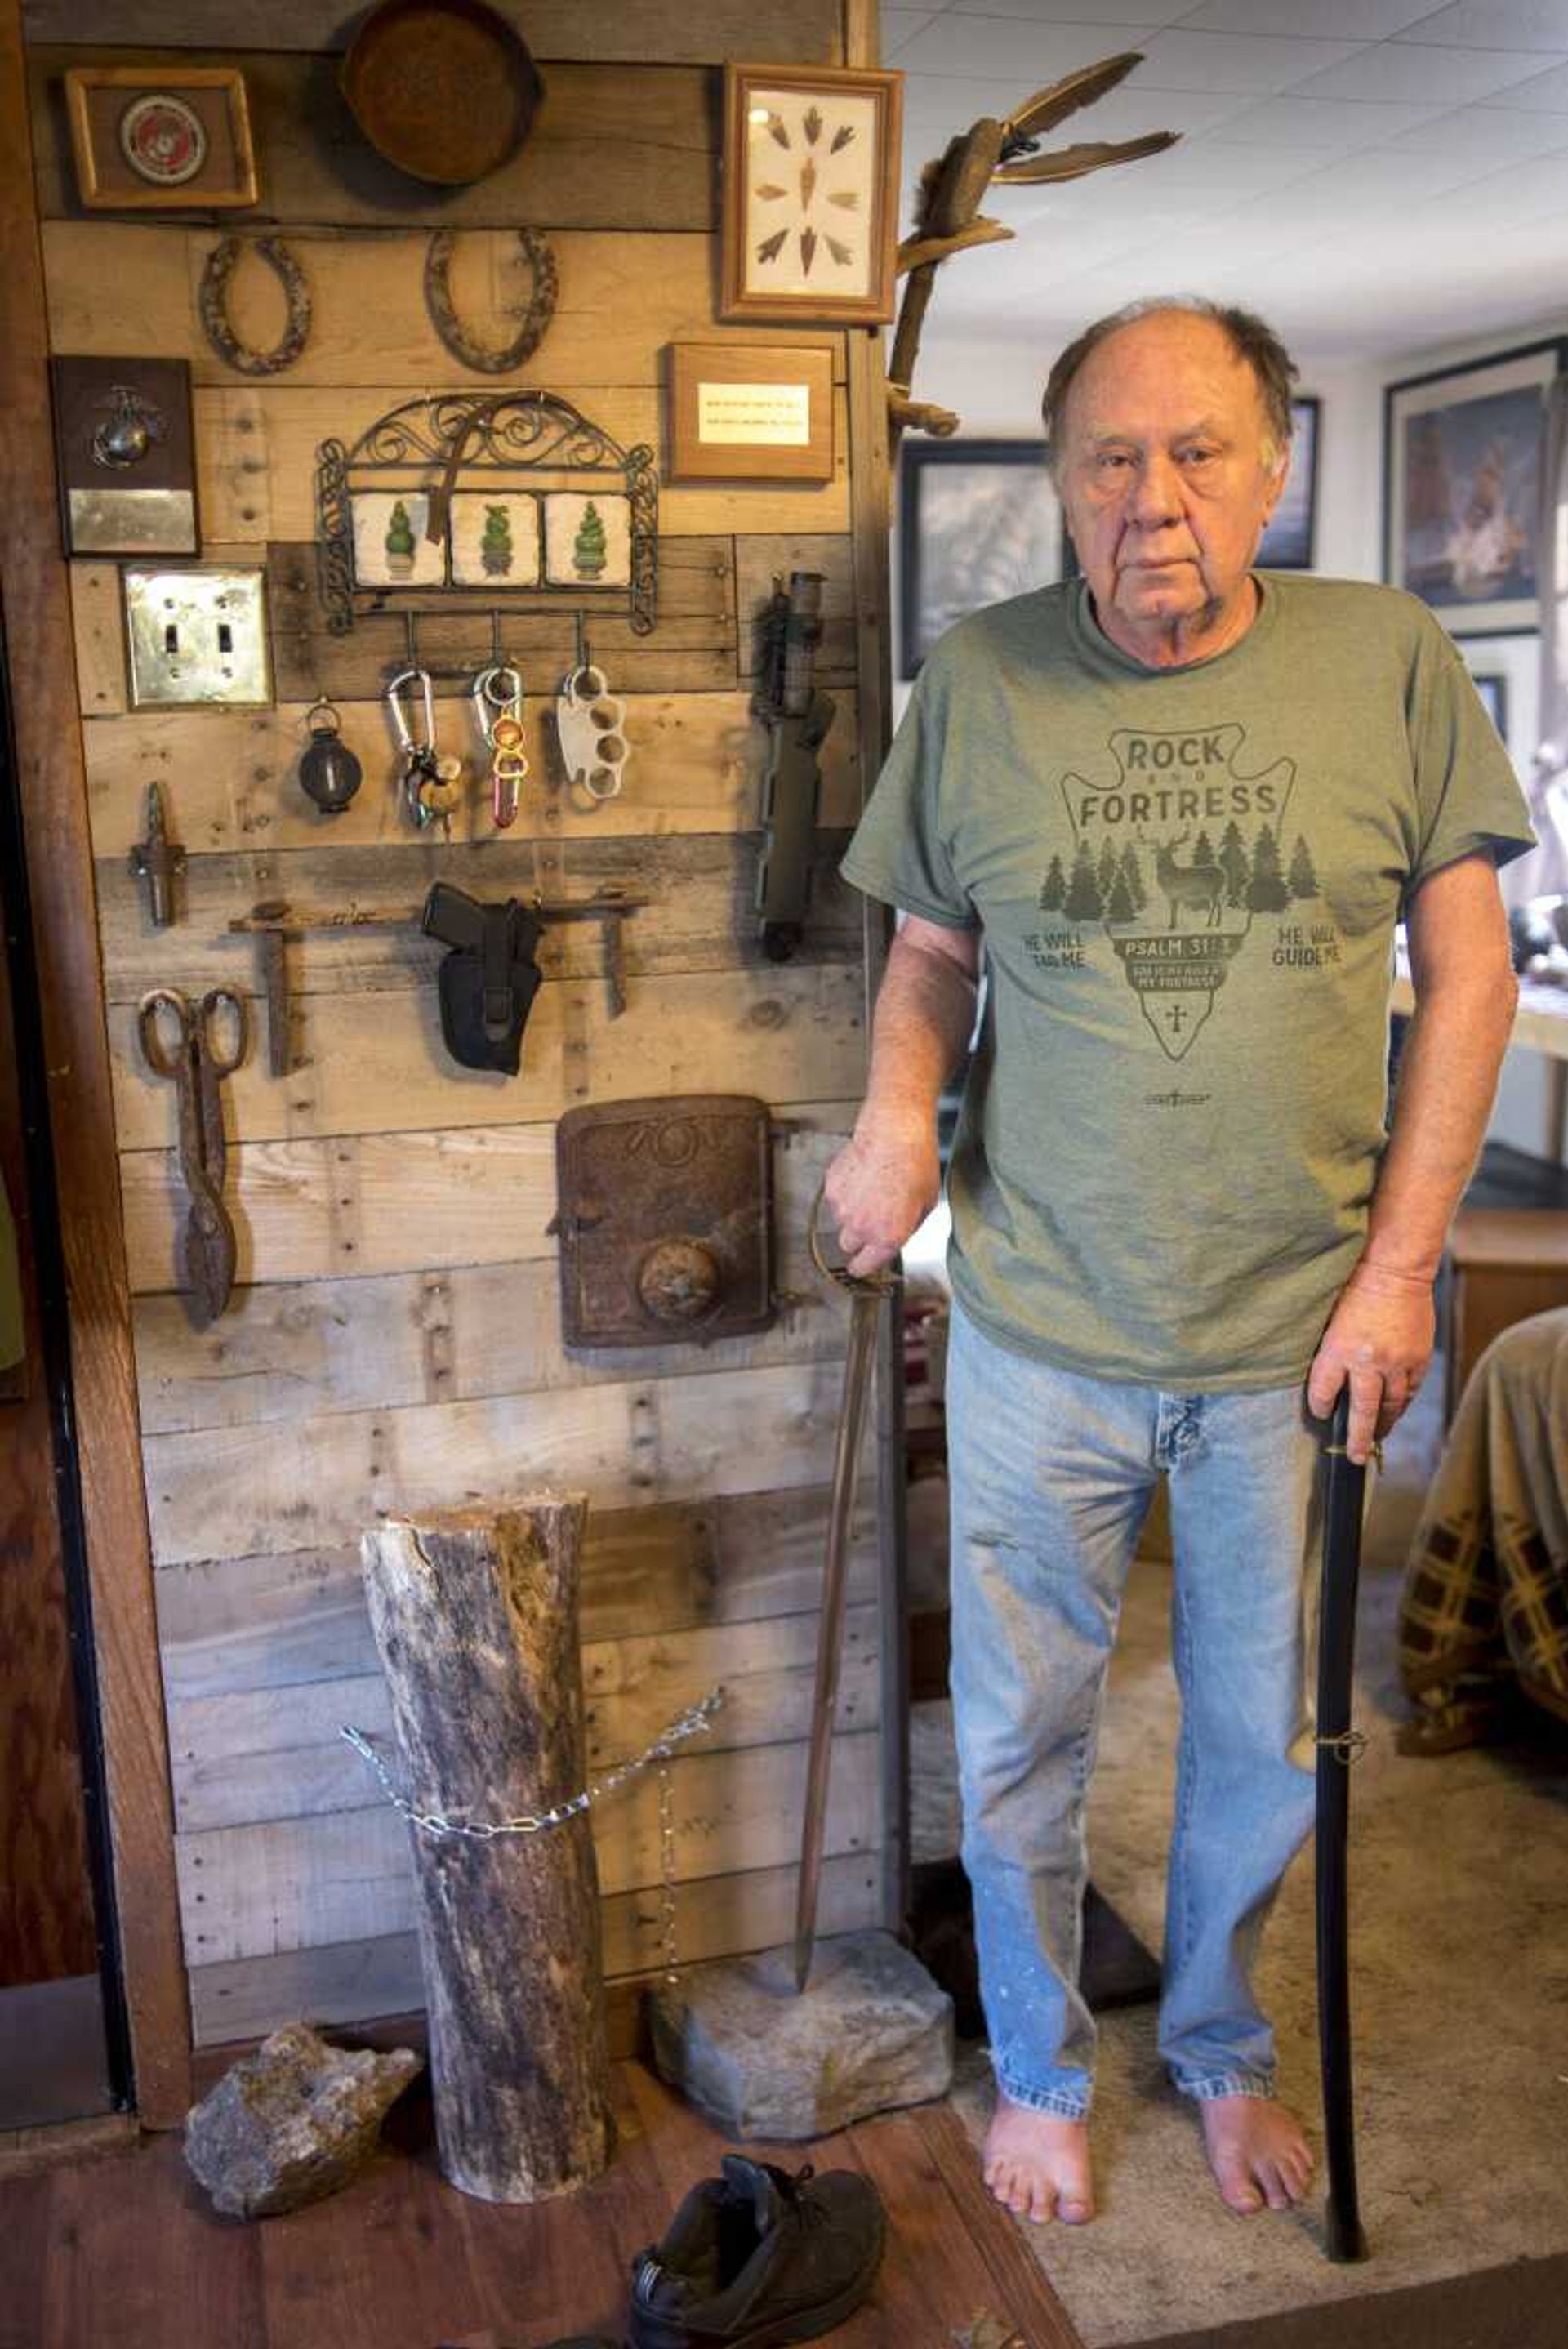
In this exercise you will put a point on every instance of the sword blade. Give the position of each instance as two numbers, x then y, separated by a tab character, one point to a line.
830	1630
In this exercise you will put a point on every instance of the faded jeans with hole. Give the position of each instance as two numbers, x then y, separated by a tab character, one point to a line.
1052	1474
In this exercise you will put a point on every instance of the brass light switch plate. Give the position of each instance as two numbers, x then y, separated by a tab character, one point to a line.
665	1219
197	636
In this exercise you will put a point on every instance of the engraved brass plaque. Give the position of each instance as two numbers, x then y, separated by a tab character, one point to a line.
665	1219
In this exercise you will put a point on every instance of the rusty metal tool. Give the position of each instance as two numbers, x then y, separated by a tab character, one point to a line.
195	1063
865	1309
158	861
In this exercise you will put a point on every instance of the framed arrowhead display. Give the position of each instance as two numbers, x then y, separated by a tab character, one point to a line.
810	223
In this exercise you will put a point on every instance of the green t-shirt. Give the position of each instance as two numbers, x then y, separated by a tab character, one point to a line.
1188	882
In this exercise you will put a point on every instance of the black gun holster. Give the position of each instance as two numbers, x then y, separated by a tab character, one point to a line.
489	979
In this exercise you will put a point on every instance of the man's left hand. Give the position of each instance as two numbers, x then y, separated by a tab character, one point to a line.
1380	1337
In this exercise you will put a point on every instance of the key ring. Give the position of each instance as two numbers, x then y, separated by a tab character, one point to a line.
497	697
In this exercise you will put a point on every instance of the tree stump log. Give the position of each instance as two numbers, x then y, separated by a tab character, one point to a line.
475	1615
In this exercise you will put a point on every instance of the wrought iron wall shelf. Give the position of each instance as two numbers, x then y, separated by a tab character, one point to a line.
511	498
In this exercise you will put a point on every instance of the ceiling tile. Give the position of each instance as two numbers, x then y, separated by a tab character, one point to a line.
1544	93
1351	20
1075	12
1183	61
1403	69
1035	53
1332	126
899	26
1486	136
1495	24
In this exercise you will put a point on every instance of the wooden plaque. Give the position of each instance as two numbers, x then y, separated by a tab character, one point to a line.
740	412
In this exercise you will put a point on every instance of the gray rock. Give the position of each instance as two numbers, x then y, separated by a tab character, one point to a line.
293	2122
871	2031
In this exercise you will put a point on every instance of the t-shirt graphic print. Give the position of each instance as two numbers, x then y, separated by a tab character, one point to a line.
1178	906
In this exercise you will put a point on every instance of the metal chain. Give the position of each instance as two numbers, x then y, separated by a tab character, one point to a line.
688	1724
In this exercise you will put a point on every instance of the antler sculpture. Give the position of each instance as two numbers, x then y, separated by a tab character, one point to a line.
949	220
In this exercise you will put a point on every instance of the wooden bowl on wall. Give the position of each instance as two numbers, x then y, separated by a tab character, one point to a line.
444	88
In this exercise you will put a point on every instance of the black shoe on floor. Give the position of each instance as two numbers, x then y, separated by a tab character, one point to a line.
757	2259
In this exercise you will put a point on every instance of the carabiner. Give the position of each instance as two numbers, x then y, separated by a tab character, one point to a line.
421	679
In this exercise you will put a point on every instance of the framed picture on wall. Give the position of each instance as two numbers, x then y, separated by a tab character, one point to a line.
809	222
152	140
978	521
1492	687
1461	486
1288	542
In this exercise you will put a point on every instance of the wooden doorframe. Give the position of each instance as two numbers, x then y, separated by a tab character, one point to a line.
52	783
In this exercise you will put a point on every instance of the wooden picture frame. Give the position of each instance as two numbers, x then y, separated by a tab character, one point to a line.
1462	454
750	411
978	521
147	140
809	229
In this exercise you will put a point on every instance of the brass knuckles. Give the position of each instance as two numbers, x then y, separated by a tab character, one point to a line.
590	722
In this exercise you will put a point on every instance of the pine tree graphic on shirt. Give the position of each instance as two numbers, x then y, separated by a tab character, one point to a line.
1176	851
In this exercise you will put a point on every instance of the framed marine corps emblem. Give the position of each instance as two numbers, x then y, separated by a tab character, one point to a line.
146	142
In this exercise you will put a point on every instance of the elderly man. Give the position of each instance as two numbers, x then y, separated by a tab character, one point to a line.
1182	805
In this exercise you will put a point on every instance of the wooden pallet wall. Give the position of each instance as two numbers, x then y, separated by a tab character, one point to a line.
393	1340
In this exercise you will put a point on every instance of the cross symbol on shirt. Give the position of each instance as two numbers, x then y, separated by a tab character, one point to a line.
1176	1018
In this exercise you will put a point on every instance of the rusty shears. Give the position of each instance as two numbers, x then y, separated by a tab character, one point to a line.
194	1063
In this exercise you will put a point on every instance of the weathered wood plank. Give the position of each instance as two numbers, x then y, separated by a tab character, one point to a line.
230	1492
256	450
297	1348
279	1754
702	916
287	1884
629	32
787	1034
762	558
124	289
97	629
229	776
610	150
369	1204
353	1981
295	1616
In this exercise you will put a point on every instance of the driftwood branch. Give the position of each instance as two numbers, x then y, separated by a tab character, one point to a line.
992	153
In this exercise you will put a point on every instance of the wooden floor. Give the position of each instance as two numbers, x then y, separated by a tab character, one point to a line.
127	2249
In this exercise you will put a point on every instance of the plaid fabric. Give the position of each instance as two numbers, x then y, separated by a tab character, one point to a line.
1484	1614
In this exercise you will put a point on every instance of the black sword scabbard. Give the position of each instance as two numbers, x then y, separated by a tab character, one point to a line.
1337	1744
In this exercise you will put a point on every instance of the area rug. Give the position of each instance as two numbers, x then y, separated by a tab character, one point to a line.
1524	2305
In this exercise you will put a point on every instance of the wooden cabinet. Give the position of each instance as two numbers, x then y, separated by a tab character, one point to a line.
1504	1264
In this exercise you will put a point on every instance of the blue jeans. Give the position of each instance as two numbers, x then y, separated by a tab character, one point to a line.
1052	1474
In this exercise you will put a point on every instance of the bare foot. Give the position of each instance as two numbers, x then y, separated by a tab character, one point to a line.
1037	2163
1256	2151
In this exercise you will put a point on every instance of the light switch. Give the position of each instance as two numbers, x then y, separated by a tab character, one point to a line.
197	636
